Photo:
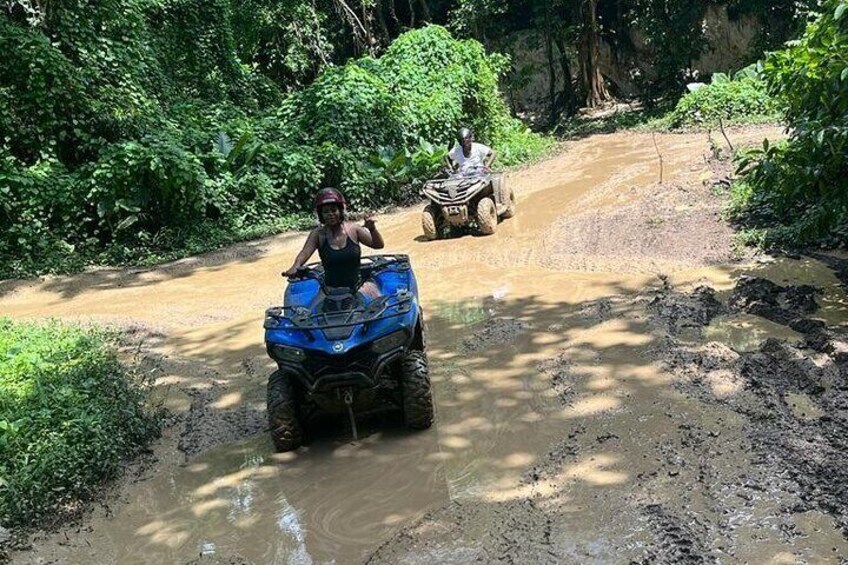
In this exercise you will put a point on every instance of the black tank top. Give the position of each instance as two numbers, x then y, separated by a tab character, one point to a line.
341	266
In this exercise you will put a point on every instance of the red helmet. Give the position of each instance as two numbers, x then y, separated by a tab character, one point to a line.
329	196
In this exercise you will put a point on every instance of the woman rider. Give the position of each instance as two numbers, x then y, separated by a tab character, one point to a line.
338	244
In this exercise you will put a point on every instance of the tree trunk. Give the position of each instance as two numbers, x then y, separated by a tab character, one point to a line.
393	14
589	54
549	47
426	11
569	96
384	27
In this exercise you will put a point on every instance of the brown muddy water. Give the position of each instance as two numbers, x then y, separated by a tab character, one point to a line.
560	435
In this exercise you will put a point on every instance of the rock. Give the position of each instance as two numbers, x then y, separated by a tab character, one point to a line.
5	536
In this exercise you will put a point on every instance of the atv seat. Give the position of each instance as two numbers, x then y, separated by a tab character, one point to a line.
341	299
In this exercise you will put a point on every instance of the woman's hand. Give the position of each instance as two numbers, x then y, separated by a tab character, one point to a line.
369	234
290	272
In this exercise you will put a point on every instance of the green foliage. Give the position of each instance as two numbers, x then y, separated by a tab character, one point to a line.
348	107
515	144
742	100
139	132
796	193
674	36
70	413
288	41
146	184
445	83
405	167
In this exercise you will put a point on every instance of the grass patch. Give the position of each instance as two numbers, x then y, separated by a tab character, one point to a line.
70	415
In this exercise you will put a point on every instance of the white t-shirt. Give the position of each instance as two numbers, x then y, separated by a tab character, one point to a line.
479	153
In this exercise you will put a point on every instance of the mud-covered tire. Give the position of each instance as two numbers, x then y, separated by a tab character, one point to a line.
283	414
430	222
510	204
416	390
487	216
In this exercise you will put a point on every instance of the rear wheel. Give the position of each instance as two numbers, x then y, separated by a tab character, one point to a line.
430	222
487	216
416	390
283	414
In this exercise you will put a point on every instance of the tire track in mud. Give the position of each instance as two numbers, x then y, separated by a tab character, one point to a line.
800	452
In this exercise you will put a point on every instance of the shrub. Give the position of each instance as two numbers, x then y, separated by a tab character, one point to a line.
743	100
138	132
70	413
796	193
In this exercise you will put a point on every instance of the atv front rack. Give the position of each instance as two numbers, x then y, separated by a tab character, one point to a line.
381	308
454	190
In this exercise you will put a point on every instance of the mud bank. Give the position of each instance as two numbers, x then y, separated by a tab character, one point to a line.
793	395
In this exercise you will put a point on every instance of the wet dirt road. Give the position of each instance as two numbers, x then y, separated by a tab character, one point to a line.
562	435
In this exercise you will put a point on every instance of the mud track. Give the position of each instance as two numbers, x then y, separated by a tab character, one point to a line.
610	388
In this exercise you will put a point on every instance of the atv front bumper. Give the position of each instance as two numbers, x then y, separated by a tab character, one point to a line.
359	368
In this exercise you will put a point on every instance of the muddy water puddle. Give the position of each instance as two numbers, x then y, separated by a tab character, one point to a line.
819	270
330	502
746	332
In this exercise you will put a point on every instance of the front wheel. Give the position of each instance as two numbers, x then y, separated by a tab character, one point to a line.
417	391
283	414
429	222
487	216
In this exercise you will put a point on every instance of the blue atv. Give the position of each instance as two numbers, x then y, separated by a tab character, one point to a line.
342	352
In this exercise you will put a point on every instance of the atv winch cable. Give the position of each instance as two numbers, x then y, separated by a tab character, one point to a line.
348	400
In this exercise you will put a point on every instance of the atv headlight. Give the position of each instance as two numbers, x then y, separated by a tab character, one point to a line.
286	353
391	341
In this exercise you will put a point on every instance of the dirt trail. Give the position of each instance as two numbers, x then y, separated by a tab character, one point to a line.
572	425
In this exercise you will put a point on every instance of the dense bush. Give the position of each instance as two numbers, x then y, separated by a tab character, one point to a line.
69	415
138	133
795	193
742	100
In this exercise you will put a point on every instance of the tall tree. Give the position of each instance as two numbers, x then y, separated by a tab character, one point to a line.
589	54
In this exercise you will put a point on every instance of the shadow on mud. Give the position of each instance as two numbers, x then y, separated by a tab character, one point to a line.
748	465
502	399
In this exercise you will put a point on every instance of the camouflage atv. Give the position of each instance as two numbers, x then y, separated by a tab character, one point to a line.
463	200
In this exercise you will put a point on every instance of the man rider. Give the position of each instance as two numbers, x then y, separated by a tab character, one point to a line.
467	156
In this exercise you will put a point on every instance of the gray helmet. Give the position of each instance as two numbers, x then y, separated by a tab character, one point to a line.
463	134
